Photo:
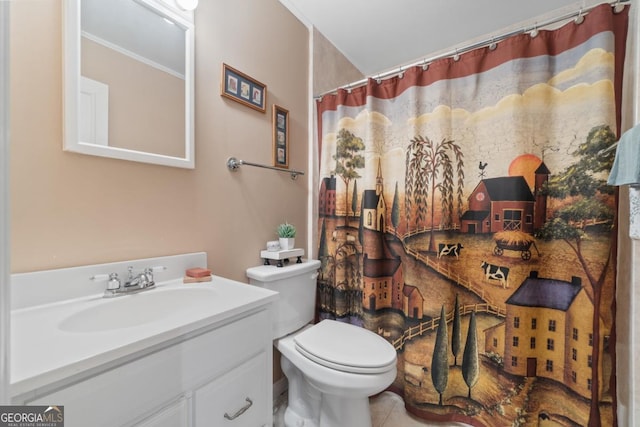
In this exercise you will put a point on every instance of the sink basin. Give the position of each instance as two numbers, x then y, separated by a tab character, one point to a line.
133	310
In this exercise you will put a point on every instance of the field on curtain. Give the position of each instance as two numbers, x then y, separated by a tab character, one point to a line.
465	217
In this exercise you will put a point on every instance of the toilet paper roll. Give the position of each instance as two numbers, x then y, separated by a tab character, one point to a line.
273	246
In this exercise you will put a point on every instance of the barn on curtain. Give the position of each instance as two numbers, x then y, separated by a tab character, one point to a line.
464	216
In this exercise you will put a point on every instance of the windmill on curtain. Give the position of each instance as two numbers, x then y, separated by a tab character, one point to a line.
465	217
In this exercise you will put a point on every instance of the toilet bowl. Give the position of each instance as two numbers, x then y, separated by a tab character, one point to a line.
332	389
331	367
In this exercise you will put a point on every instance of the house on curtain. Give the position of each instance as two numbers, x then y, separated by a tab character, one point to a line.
548	333
374	207
413	302
382	283
498	204
507	204
327	197
383	278
540	208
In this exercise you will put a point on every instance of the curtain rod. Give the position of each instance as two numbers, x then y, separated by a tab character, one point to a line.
455	53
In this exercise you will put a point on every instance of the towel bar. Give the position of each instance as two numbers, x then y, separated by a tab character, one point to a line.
234	164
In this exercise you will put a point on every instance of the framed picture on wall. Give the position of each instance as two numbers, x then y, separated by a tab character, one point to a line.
241	88
280	137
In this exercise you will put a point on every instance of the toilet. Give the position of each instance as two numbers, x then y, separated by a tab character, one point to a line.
332	367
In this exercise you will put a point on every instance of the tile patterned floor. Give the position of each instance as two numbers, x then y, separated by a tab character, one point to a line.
387	410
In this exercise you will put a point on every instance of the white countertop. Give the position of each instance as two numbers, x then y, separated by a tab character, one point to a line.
46	355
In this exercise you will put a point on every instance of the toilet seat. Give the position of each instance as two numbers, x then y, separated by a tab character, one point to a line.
345	347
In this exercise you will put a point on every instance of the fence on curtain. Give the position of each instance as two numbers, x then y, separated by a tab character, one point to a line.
464	216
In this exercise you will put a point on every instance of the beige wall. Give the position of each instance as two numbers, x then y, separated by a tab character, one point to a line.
70	209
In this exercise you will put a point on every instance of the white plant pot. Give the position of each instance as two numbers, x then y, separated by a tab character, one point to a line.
287	243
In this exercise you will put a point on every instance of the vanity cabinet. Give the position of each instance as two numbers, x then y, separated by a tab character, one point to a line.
193	381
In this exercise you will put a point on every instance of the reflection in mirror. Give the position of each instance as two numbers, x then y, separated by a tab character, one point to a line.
129	81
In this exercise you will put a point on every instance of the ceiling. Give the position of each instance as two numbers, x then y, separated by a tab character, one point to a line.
380	35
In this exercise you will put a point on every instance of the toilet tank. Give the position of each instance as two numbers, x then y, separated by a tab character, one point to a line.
296	284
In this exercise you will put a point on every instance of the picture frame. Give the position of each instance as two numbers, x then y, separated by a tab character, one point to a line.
280	137
239	87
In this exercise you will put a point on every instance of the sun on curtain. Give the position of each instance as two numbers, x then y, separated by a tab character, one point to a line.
464	216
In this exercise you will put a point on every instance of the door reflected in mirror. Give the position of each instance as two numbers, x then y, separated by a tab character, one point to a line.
131	80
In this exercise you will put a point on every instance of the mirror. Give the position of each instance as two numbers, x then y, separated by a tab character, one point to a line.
129	81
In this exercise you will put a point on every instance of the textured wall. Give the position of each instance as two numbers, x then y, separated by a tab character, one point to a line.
331	68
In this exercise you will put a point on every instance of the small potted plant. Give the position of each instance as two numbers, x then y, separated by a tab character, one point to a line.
286	235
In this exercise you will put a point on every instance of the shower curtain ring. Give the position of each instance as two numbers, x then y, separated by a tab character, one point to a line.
618	7
534	32
456	57
580	18
425	65
493	45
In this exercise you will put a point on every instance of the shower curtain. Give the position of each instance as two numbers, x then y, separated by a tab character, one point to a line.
464	216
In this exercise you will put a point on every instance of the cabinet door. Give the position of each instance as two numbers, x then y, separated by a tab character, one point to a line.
238	398
173	415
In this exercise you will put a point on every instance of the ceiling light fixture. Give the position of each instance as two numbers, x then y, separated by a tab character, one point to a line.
187	5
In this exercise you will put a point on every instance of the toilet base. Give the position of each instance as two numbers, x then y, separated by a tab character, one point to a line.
309	407
334	411
337	411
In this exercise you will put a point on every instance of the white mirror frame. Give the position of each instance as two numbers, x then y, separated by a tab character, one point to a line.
71	91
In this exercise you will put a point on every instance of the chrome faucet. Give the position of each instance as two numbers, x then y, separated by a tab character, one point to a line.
135	282
141	280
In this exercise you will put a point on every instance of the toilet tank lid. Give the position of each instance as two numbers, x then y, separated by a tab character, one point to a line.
270	273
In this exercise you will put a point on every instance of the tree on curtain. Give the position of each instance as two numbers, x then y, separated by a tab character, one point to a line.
479	238
578	179
347	162
426	161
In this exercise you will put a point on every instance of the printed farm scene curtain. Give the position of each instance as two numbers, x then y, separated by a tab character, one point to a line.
464	216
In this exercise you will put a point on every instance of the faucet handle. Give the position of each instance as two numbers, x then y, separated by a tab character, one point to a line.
113	280
103	277
148	272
